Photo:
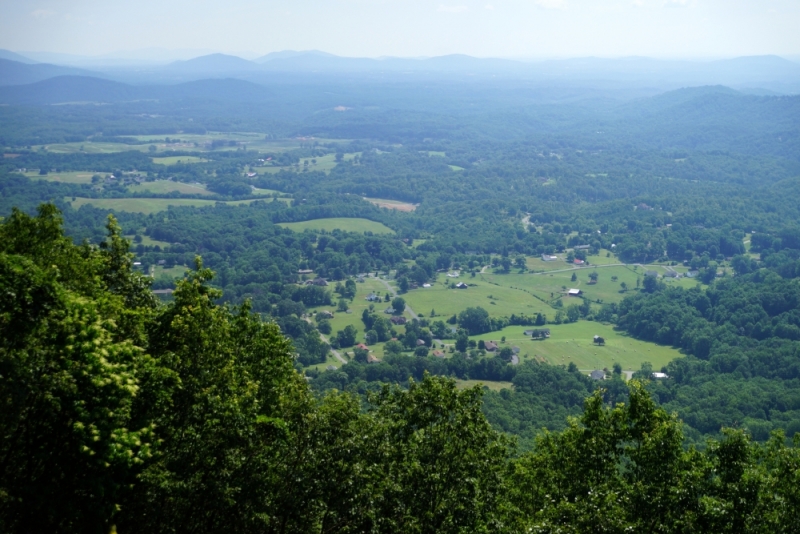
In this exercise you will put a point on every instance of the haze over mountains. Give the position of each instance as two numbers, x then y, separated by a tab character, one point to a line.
760	74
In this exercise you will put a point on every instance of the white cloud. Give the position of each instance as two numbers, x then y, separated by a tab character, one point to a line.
490	7
42	13
452	9
550	4
678	3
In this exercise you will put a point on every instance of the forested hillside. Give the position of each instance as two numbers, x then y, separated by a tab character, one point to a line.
122	415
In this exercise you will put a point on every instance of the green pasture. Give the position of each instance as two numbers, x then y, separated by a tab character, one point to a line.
447	302
340	223
172	160
251	141
145	205
494	386
574	343
76	177
178	271
455	168
147	241
549	285
324	163
168	186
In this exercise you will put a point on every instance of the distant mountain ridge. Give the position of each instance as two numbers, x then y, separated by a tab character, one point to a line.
13	56
17	73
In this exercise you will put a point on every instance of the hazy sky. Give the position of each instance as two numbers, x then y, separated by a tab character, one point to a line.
507	28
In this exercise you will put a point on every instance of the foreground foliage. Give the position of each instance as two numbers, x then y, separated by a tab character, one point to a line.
118	413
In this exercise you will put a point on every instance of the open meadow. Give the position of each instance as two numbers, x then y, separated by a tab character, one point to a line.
339	223
573	342
146	205
168	186
72	177
392	204
173	160
498	300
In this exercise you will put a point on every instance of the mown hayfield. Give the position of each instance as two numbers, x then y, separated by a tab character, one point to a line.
168	186
145	205
340	223
76	177
392	204
172	160
549	285
447	302
573	343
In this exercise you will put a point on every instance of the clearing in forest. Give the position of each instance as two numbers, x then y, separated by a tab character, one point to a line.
345	224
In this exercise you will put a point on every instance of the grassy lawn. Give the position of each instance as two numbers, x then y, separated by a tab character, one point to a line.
172	160
145	205
447	302
573	343
168	186
77	177
340	223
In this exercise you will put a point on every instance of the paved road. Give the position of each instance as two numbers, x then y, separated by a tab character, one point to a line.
391	290
324	338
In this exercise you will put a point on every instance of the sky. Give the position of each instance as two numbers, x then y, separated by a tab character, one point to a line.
408	28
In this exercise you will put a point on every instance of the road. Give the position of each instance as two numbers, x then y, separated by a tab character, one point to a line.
392	292
324	338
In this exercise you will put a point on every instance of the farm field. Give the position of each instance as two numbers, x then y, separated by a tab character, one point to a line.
573	343
447	302
75	177
145	205
339	223
168	186
172	160
147	241
324	163
543	284
251	140
392	204
494	386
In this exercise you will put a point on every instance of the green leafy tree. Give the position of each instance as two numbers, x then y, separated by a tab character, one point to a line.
398	305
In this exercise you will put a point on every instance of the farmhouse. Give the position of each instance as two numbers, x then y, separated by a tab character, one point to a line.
597	375
658	376
317	282
362	346
420	343
491	346
461	285
578	262
546	257
389	311
372	297
574	292
324	314
398	320
372	359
